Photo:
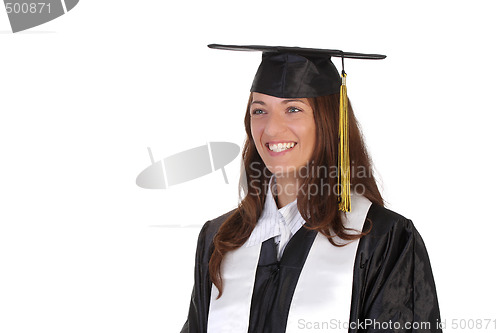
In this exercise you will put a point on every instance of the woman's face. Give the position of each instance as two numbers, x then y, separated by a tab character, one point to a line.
283	130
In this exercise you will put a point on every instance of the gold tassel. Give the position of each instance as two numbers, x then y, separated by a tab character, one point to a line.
344	161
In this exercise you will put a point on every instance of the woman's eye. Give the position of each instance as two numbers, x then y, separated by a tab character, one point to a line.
294	110
257	111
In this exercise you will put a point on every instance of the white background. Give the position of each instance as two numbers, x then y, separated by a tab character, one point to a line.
83	249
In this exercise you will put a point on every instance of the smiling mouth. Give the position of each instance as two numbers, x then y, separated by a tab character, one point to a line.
279	147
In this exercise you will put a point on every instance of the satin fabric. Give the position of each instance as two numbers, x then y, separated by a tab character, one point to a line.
238	273
273	289
392	279
288	75
323	291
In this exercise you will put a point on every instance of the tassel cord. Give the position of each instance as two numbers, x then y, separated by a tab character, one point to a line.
344	161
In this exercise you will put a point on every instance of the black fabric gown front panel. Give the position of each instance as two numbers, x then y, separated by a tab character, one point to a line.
275	282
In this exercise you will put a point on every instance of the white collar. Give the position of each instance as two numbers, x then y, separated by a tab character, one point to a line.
267	225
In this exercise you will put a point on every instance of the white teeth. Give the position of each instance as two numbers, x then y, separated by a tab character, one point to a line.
281	146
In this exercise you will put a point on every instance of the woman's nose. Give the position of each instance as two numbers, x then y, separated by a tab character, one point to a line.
275	125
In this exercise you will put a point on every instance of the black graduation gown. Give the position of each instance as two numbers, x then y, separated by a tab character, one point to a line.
392	280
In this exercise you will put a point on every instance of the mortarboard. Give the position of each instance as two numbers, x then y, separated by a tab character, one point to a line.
296	72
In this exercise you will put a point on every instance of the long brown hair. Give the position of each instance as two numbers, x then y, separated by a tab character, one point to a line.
320	211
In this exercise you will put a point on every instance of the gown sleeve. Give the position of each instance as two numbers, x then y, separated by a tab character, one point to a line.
200	296
398	292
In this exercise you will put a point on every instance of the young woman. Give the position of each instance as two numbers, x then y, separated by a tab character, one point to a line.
310	247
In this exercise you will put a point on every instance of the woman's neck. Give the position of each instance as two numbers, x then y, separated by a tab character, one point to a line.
286	190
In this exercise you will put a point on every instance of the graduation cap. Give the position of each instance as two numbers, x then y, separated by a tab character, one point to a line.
296	72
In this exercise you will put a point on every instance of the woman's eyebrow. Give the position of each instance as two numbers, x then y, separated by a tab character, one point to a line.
292	100
282	102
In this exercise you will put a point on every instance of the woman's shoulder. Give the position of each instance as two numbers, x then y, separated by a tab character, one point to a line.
211	227
387	229
382	221
391	236
206	237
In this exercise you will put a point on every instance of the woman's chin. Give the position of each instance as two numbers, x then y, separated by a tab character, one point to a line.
283	170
